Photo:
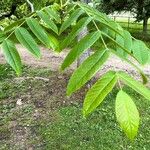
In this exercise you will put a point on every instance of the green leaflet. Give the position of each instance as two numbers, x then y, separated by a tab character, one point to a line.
12	56
81	46
73	17
135	85
48	21
84	73
99	91
76	30
39	32
53	14
127	114
140	51
27	41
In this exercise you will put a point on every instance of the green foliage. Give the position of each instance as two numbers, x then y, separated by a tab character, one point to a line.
50	23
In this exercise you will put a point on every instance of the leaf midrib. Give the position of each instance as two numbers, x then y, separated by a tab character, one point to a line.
27	42
91	68
12	57
101	92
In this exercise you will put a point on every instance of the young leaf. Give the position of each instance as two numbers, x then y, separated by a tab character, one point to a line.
48	21
73	17
99	91
76	30
127	114
27	41
135	85
38	31
12	56
140	51
84	73
83	45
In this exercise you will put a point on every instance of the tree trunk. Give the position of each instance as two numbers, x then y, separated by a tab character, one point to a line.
145	24
86	54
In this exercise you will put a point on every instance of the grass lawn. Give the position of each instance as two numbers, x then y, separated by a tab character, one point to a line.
48	120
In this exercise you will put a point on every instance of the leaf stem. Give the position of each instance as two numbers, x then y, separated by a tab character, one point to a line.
97	28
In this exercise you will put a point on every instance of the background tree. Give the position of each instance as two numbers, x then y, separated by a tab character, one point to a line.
141	8
13	7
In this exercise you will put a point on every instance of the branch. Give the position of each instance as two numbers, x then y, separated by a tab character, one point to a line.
31	5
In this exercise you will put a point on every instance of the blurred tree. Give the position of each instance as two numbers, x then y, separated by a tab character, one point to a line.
140	7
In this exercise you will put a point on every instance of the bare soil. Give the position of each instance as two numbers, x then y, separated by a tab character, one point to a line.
53	60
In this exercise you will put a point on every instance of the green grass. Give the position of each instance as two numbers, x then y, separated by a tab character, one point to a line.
99	131
59	125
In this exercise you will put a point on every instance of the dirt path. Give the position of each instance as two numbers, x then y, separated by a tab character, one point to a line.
53	60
